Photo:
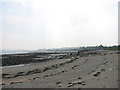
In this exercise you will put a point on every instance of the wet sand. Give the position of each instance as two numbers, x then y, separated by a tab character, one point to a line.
93	71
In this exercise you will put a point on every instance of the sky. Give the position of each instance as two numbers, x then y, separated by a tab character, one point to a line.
41	24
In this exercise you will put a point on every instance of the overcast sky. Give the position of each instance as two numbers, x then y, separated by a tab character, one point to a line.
37	24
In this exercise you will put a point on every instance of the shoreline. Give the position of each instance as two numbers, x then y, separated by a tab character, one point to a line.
75	72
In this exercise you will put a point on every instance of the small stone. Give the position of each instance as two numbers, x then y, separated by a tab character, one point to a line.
58	82
102	70
79	82
96	74
79	78
83	84
3	83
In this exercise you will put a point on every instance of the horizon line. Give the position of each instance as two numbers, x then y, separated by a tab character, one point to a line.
64	47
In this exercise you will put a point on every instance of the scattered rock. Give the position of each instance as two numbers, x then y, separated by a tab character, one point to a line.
29	79
29	72
79	82
105	62
46	68
3	84
35	78
83	84
15	82
96	74
61	64
46	75
72	84
69	83
79	78
102	70
20	74
54	66
58	82
58	73
5	75
62	71
59	86
74	66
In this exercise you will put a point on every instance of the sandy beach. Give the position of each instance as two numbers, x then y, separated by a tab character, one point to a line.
92	71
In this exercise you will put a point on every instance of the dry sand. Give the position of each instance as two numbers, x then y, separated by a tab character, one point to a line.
93	71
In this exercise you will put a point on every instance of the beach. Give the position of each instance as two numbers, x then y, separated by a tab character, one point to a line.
98	70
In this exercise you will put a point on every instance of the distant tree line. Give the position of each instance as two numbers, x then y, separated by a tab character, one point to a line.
101	47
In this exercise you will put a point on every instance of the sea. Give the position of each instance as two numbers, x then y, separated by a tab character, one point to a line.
11	52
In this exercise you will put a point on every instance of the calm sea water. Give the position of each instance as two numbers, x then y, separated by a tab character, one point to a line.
12	52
